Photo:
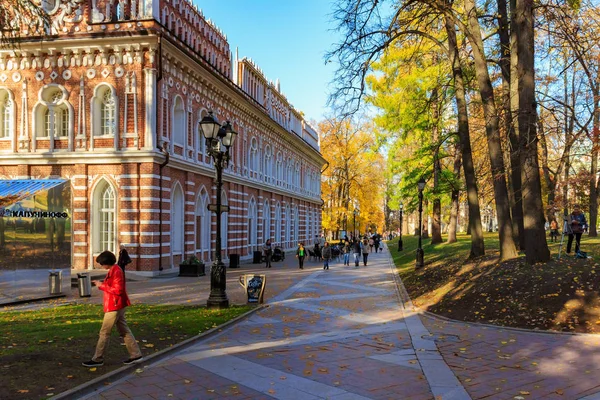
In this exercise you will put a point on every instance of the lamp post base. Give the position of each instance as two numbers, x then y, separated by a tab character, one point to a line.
420	262
400	245
218	296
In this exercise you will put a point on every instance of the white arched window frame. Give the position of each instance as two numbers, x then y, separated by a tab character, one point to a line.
266	221
179	122
203	223
108	114
290	173
52	117
104	227
201	141
105	111
252	226
279	168
177	222
253	157
297	176
7	116
268	164
277	223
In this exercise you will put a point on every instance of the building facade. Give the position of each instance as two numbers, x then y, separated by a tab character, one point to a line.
111	99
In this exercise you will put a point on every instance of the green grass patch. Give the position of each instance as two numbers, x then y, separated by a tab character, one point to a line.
559	295
41	351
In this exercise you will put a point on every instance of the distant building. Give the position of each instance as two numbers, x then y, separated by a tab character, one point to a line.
116	84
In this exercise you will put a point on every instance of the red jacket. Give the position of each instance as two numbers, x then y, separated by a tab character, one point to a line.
115	296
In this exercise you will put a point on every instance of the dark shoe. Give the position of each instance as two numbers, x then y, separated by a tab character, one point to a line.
92	363
136	360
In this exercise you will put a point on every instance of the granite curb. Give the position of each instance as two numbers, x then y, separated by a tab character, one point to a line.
92	386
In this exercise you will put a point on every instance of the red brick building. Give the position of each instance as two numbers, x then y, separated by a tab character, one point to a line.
117	84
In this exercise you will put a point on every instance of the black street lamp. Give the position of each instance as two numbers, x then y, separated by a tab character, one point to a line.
218	141
419	263
400	248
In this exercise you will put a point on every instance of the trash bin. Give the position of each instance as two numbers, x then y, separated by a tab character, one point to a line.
84	283
55	282
257	258
234	261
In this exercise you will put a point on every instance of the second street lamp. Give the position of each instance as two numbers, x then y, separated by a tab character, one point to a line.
420	254
400	244
218	141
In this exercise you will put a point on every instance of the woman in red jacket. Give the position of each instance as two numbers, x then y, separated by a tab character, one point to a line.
115	301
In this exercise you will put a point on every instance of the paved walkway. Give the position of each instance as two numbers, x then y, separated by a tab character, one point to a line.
344	334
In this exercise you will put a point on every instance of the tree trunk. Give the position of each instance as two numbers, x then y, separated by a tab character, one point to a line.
536	247
508	62
508	249
455	193
436	223
474	215
594	167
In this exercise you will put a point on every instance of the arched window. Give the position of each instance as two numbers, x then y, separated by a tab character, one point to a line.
104	227
253	157
107	114
203	225
201	147
279	167
104	111
53	115
278	224
177	222
252	225
297	176
6	114
179	131
266	221
268	164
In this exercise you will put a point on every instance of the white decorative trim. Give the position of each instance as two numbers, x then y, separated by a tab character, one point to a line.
80	233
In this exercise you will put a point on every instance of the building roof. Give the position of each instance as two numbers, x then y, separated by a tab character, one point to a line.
15	190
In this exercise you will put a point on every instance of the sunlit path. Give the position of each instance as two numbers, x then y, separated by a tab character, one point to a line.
336	334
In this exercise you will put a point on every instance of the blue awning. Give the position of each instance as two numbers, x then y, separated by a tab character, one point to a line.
12	191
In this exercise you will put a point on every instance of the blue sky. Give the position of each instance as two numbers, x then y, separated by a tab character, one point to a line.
287	39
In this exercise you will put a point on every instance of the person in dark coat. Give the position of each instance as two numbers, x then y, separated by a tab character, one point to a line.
124	258
577	221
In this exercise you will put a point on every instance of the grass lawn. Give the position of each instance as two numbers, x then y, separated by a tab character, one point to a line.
41	351
559	295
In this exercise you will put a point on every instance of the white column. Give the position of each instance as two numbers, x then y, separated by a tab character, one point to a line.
150	100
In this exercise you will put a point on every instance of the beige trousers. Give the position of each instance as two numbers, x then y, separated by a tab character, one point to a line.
110	319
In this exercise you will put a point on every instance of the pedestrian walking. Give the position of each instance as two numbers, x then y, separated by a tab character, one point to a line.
346	250
124	258
268	251
365	251
357	250
371	244
577	221
301	254
115	301
553	230
326	255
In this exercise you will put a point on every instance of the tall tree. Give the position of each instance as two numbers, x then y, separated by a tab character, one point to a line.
475	229
472	30
536	247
